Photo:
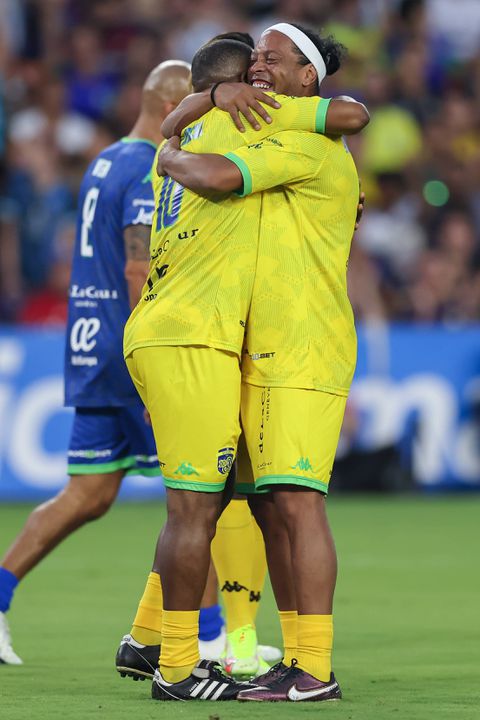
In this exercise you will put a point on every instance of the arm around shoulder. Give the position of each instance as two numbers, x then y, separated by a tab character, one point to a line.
201	173
346	116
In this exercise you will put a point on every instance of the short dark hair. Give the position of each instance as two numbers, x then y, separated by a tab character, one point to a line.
219	61
235	35
331	51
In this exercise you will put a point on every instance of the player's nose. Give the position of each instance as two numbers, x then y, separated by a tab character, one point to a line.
257	65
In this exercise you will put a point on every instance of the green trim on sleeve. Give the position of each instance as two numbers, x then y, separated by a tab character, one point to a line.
247	178
321	115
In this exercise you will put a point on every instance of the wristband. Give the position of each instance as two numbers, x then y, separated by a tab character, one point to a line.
212	93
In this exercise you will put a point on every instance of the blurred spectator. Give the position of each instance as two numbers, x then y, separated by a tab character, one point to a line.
38	197
390	232
48	305
91	85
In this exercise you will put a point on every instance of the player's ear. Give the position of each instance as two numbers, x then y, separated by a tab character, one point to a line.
309	75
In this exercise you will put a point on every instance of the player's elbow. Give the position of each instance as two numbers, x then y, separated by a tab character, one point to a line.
358	118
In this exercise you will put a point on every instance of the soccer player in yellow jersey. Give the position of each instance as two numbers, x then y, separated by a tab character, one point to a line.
182	346
301	346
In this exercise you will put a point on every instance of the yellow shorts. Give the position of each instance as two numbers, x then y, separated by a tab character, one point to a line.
193	396
292	435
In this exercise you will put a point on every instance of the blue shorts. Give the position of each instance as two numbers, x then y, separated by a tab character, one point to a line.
113	438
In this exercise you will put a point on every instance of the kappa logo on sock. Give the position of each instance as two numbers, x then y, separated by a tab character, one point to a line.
233	587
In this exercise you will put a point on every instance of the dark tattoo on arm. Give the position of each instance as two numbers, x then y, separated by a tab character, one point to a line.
137	242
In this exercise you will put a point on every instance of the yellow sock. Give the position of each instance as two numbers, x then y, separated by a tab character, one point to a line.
232	550
259	571
179	652
147	626
288	623
314	645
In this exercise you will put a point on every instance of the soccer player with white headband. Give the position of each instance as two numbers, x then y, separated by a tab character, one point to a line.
303	43
301	342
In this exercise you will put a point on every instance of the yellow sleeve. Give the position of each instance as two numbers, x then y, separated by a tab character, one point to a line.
306	113
280	159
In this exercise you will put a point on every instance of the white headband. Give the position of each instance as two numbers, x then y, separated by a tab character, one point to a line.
304	44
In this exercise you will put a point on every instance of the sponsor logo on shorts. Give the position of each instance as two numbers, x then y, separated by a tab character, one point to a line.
89	454
260	356
225	460
265	414
186	468
304	465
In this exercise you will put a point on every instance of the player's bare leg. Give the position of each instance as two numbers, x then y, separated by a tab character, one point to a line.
184	546
313	555
184	560
313	565
211	635
278	550
277	547
238	551
85	498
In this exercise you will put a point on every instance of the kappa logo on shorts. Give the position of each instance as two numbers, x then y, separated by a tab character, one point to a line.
186	468
225	460
304	465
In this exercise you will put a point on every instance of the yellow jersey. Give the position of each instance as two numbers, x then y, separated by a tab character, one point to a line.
300	329
204	250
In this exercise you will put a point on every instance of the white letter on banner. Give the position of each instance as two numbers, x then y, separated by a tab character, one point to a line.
384	406
28	459
434	399
467	446
11	361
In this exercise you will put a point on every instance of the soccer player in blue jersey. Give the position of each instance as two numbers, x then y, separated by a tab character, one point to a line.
110	436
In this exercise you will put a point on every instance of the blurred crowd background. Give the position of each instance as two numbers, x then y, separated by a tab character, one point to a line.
71	73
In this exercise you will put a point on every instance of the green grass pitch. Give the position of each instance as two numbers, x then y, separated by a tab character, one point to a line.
407	618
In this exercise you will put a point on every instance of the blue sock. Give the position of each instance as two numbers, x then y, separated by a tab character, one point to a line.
210	623
8	583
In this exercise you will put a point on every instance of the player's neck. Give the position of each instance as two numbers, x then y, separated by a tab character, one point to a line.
146	128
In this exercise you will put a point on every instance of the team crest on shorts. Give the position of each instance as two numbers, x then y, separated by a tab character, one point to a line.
225	460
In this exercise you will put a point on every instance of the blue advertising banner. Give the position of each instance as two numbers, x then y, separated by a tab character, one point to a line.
415	386
34	425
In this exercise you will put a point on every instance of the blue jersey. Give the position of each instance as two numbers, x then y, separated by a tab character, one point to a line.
116	192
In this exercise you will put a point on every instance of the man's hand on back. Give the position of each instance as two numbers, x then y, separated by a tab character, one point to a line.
236	98
171	147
